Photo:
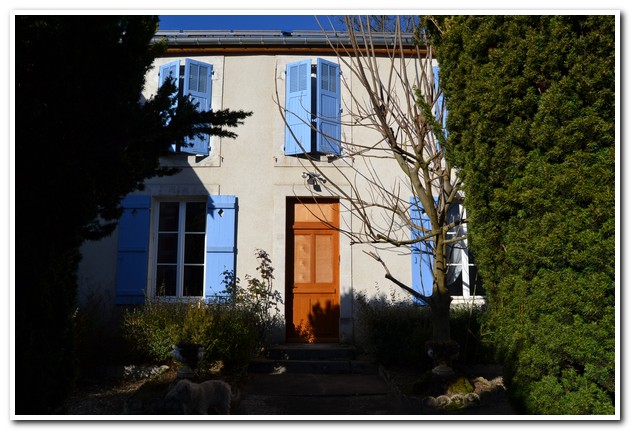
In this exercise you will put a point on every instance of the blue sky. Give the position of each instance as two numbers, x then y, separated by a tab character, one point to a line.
243	22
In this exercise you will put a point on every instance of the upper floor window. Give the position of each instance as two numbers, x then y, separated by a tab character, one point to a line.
313	108
193	79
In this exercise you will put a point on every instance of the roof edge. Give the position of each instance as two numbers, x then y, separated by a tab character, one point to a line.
198	38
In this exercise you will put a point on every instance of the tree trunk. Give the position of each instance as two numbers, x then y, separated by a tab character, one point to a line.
440	307
442	349
441	299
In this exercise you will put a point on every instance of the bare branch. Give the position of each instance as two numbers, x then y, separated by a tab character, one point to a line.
389	276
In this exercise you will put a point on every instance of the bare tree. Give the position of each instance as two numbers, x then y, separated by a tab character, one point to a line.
396	94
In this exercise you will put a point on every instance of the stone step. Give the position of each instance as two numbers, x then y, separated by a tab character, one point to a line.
282	366
317	358
311	352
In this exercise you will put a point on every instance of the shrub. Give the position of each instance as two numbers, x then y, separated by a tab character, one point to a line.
153	328
228	333
258	297
231	329
395	332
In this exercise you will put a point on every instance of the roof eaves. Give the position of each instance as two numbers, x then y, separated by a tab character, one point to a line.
271	38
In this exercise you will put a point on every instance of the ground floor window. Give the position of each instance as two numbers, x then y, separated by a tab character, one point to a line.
462	277
181	249
462	274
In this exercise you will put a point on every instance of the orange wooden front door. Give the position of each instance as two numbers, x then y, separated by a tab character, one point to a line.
313	271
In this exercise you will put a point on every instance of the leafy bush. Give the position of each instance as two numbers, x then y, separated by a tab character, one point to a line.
231	329
153	328
395	332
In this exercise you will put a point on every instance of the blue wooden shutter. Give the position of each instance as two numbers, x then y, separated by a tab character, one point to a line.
328	108
133	250
422	258
170	69
298	108
198	86
221	241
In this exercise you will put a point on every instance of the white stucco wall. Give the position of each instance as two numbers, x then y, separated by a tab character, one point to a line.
253	168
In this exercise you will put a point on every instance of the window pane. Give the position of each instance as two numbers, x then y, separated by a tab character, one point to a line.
193	280
195	217
165	280
194	248
169	216
455	288
167	248
475	282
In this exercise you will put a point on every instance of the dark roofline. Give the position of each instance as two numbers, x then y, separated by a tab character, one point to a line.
270	41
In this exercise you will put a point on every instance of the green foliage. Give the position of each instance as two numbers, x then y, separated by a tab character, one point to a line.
532	127
395	332
227	333
153	328
230	331
84	138
258	297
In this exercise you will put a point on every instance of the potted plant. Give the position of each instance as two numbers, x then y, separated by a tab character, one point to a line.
188	354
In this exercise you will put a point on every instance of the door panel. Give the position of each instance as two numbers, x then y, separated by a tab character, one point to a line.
313	276
324	259
302	258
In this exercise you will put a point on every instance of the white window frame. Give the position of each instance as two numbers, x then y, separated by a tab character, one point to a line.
467	297
155	220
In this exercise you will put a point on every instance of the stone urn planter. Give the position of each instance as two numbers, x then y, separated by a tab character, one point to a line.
443	353
189	355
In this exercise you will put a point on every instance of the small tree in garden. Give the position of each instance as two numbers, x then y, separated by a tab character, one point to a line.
396	93
258	296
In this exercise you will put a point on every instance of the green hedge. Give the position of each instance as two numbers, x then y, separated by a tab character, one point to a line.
395	332
532	128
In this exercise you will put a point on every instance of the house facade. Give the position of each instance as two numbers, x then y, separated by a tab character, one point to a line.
232	197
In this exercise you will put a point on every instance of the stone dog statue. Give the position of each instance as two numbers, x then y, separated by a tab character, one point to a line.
186	397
